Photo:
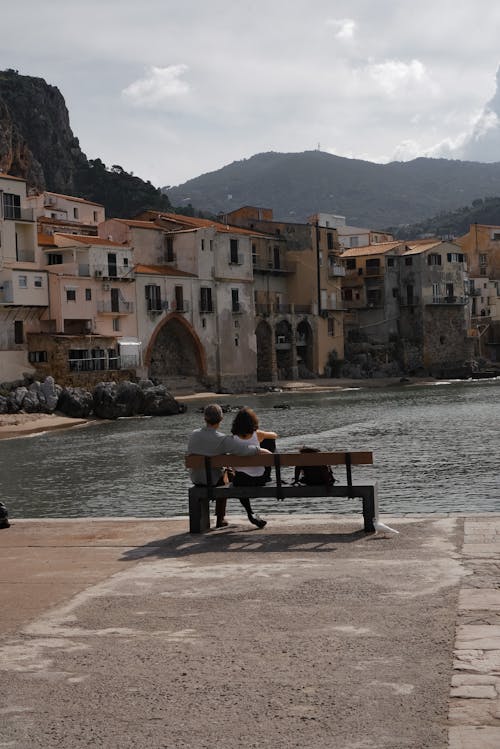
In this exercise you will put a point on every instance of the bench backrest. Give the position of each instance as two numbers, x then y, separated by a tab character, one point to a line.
285	459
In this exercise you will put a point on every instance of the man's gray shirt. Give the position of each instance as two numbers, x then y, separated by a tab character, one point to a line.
209	441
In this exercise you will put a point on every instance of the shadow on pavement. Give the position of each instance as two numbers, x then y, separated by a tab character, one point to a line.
234	540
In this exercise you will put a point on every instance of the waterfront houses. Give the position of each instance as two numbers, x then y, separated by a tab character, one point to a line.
231	302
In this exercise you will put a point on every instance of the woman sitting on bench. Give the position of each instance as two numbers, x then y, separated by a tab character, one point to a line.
245	429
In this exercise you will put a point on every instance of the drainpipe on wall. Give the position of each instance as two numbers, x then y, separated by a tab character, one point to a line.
318	269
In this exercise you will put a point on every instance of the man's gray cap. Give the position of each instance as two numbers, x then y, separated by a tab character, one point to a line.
213	413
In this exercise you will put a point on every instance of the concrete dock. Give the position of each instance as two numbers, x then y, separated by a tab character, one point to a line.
309	633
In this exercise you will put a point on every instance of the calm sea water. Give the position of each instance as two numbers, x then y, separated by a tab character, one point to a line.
436	449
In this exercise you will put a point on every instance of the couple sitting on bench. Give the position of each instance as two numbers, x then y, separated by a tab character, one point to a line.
246	439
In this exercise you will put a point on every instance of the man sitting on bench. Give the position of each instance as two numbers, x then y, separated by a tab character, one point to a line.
209	441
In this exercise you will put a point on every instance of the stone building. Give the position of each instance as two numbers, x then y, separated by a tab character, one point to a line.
198	275
297	271
481	246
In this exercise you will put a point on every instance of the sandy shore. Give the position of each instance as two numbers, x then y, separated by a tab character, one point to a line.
23	425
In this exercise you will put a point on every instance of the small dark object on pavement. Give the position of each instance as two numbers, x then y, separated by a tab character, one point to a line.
4	516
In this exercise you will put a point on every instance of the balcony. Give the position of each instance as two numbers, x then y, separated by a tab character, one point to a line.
114	272
180	306
287	267
283	309
115	308
25	256
474	292
14	213
375	271
336	271
95	364
447	300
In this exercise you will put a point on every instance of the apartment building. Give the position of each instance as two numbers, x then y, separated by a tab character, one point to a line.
23	284
195	293
297	272
90	329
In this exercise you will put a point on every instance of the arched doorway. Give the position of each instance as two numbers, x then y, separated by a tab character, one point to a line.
305	349
175	352
264	336
283	345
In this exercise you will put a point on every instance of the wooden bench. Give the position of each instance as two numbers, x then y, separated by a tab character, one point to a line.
201	496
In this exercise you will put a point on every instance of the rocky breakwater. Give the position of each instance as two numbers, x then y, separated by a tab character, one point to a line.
108	400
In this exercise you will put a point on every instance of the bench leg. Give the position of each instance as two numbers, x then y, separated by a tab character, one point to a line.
370	508
199	514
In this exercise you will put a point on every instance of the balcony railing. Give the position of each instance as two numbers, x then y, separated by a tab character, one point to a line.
261	266
96	364
336	270
25	256
120	308
14	213
447	300
283	309
374	271
180	306
114	271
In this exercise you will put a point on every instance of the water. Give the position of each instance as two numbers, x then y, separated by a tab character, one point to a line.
436	449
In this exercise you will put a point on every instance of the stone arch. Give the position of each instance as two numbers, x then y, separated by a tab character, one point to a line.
264	336
283	345
305	348
175	350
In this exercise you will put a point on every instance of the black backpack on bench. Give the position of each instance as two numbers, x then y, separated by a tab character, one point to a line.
313	475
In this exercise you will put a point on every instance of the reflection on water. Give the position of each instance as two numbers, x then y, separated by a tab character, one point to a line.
436	449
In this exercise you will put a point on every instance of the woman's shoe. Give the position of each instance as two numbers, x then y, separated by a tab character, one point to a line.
257	521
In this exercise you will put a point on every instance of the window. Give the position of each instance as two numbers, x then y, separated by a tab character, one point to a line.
23	282
96	217
71	295
329	240
168	246
75	213
153	298
233	257
483	259
88	295
395	293
38	282
254	255
350	263
125	262
331	326
434	259
236	340
206	299
211	245
496	236
11	206
455	257
179	298
347	294
408	261
37	356
390	262
18	331
276	255
235	300
320	258
54	258
116	324
202	245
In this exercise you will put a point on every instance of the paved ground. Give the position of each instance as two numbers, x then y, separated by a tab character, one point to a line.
311	634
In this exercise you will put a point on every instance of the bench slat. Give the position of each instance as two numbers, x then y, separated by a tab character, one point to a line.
286	459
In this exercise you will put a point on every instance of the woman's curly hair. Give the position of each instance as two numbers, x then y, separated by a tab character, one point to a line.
245	422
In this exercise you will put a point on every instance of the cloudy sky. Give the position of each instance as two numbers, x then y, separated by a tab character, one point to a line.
170	90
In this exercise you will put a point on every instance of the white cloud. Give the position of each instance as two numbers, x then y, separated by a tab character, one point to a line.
344	28
158	87
395	76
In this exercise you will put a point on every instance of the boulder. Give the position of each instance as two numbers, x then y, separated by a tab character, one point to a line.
130	397
49	394
105	403
158	402
75	402
4	405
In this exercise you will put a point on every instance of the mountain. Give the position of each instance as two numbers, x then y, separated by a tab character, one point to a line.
453	223
296	185
37	143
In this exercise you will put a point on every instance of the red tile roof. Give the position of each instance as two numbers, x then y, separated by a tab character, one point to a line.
371	249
